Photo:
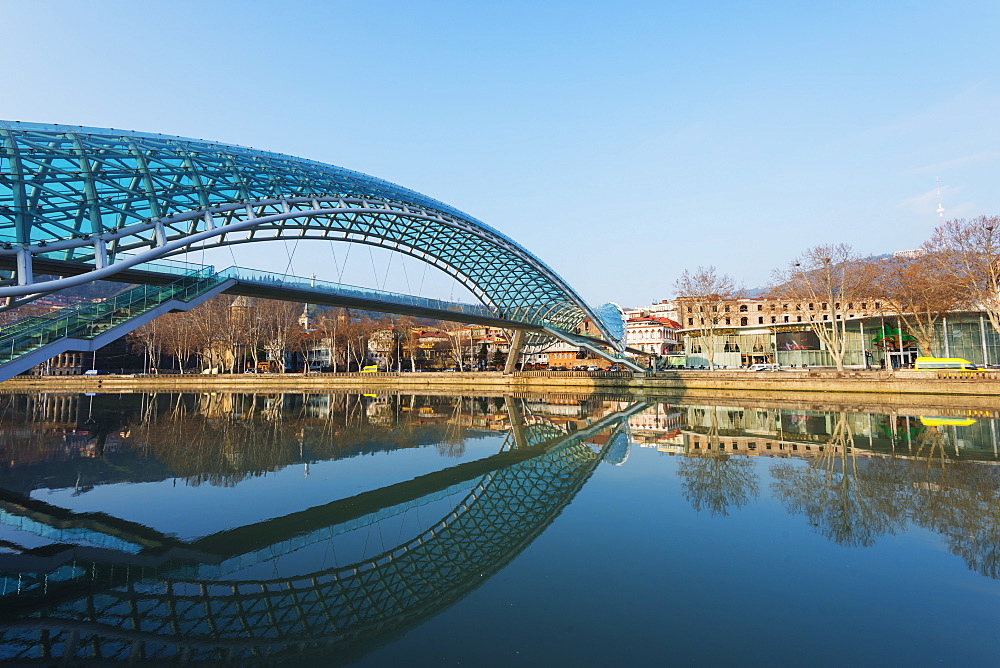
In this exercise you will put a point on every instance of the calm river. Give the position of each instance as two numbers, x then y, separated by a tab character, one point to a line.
326	529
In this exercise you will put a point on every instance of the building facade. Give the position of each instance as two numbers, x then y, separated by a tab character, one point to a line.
653	335
873	340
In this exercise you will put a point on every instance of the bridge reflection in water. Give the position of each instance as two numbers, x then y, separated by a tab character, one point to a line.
126	592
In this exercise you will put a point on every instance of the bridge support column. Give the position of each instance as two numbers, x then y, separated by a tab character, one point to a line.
515	352
516	422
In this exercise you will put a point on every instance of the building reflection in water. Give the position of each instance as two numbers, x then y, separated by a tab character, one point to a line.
853	476
85	586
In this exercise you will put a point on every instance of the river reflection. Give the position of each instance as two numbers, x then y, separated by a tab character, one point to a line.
853	477
319	527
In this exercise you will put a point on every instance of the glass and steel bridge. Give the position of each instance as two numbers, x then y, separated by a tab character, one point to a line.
79	204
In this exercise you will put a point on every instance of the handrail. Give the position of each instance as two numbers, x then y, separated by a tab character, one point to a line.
979	374
301	283
86	320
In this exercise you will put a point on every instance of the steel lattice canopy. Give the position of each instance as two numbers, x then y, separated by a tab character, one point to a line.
114	198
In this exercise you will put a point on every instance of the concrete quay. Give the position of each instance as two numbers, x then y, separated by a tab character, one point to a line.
906	387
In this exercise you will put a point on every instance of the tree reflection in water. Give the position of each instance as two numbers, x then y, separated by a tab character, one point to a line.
959	500
714	481
850	503
222	439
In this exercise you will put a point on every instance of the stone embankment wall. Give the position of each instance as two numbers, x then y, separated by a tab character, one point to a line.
981	389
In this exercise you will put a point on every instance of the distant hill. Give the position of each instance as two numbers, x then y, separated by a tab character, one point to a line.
90	290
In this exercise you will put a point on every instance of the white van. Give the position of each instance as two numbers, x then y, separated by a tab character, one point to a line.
764	367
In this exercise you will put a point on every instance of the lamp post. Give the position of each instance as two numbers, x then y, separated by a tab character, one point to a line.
996	289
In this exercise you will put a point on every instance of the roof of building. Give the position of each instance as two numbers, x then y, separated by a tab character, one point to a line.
673	324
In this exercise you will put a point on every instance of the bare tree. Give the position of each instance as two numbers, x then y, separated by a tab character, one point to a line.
407	337
919	291
251	328
706	292
969	254
356	334
149	339
303	341
456	335
182	337
280	320
328	330
832	276
211	321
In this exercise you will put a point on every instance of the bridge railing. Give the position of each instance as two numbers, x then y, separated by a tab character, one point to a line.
90	319
172	266
313	285
574	374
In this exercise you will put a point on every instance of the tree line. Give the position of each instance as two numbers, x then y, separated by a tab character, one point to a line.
233	335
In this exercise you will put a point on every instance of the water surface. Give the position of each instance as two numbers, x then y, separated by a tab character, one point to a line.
542	530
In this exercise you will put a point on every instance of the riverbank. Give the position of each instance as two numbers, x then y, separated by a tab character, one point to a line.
849	387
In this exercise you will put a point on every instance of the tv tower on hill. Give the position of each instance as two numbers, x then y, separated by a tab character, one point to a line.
940	209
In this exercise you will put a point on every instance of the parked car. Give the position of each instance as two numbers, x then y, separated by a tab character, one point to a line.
952	363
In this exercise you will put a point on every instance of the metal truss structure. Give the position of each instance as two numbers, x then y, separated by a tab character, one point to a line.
107	200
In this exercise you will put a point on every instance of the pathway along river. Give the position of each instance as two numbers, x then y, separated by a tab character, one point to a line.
594	530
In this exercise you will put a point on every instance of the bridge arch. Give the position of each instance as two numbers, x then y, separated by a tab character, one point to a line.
109	199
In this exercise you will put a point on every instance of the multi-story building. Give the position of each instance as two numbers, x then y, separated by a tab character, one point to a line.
656	336
568	356
781	331
662	309
693	312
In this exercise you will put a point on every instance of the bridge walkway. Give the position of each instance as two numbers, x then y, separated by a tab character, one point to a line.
179	287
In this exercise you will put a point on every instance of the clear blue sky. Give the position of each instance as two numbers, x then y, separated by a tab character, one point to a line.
621	142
